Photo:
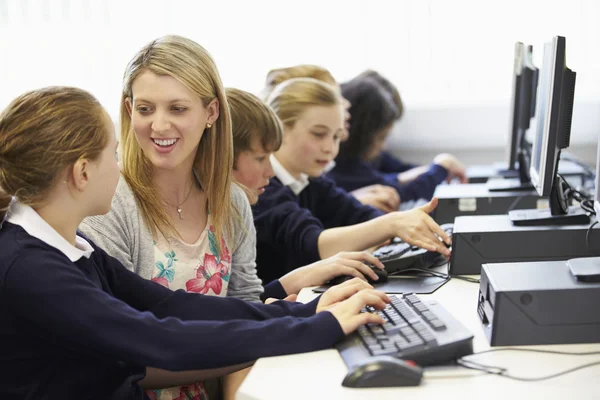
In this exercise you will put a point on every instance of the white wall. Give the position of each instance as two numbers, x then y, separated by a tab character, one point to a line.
451	60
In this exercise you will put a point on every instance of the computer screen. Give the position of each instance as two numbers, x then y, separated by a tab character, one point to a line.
597	195
513	136
523	99
554	111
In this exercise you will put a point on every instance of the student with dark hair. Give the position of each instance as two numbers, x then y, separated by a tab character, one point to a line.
362	161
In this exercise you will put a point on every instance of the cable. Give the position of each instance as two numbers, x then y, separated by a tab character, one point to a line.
587	235
500	371
556	352
437	274
514	204
503	371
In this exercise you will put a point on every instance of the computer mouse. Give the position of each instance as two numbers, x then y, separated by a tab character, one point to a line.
381	273
383	371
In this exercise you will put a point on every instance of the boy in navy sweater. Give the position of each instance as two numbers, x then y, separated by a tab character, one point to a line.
257	132
376	106
303	217
74	322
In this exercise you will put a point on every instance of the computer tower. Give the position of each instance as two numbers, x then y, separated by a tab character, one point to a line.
494	239
534	303
476	199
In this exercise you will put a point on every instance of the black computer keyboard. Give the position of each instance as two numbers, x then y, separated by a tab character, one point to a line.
399	255
421	331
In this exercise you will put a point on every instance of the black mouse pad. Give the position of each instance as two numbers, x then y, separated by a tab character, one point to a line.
398	284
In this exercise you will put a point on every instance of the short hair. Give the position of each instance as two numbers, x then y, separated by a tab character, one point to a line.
280	75
252	121
373	109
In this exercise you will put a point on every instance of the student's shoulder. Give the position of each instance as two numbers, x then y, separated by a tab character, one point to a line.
25	252
276	191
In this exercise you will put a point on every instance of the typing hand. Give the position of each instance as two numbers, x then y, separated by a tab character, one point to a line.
341	292
416	227
382	197
348	312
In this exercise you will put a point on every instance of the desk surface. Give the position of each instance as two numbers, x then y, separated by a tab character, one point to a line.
318	375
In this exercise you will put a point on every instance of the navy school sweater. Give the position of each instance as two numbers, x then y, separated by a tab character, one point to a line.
88	329
354	174
288	226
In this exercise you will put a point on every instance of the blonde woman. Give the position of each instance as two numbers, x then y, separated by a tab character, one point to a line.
379	196
302	217
176	217
77	324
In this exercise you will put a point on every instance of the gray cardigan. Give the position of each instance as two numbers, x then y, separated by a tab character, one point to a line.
123	234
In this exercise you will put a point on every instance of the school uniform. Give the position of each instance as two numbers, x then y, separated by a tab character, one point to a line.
291	214
75	323
354	173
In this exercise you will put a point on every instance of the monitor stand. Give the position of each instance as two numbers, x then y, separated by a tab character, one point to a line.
559	212
509	185
543	217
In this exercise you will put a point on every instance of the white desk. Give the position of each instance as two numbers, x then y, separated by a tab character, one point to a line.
318	375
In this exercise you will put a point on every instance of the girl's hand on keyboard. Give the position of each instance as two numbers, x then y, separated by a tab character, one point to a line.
341	292
417	228
349	312
349	263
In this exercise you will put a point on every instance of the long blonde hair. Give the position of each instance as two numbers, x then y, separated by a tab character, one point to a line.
189	63
280	75
42	132
291	98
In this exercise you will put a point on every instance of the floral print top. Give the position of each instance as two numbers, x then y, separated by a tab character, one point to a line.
197	268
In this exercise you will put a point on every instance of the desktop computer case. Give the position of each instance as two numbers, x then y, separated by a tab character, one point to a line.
534	303
494	239
476	199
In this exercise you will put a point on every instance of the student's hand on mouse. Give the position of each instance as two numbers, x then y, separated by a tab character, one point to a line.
416	227
453	166
348	312
344	263
291	297
341	292
384	198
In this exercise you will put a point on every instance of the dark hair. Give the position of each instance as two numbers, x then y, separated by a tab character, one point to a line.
41	133
373	109
389	86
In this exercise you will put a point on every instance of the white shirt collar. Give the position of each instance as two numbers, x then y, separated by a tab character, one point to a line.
329	167
296	185
28	219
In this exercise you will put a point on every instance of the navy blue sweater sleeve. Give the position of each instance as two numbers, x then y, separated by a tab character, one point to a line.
145	324
354	174
288	226
274	290
387	163
282	224
335	207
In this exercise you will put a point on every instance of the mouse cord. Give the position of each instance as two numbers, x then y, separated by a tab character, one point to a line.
587	234
493	370
436	274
